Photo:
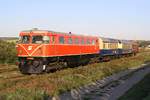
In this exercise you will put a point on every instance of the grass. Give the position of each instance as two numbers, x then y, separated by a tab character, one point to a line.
12	81
25	94
140	91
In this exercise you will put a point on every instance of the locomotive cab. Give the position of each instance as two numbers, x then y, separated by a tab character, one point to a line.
31	51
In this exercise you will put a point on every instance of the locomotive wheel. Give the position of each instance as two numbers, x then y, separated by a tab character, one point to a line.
33	67
36	67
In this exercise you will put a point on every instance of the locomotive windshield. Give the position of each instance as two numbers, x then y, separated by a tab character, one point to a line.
40	39
35	39
25	39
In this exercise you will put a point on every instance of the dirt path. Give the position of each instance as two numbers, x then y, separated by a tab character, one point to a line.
127	84
123	85
110	88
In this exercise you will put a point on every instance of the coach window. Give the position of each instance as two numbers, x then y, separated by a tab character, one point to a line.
108	46
70	40
113	46
104	46
61	40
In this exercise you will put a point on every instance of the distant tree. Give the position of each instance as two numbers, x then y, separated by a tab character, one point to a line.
144	43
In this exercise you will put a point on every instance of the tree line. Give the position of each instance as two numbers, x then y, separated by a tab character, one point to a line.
7	52
143	43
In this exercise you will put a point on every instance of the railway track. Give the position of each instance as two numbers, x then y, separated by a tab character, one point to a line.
110	88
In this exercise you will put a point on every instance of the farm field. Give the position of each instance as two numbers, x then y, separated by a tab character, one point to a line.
15	85
9	39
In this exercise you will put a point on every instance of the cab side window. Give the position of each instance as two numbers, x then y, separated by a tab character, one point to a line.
76	41
61	40
93	42
88	41
70	40
82	41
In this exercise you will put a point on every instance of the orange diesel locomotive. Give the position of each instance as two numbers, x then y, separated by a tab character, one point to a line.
42	50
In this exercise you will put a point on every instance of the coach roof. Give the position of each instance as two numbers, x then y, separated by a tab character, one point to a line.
109	40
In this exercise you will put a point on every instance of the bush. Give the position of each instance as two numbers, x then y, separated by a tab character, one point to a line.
7	52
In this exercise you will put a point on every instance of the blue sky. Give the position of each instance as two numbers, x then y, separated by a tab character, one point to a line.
125	19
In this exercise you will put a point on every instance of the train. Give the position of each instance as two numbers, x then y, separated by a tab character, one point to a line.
40	51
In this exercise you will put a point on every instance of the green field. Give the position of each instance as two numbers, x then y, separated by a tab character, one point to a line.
14	85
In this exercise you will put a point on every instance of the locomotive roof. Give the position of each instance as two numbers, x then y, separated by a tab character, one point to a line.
126	41
37	31
49	31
